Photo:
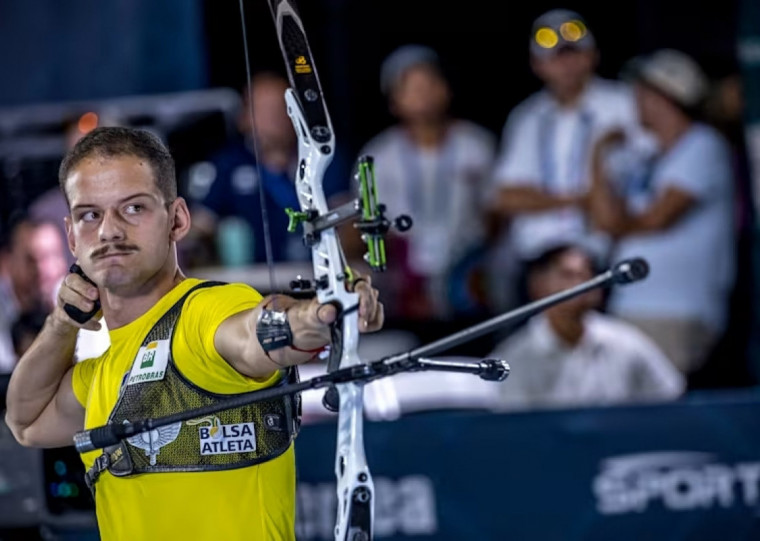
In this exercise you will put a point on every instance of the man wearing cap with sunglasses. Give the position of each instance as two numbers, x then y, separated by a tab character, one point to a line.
542	173
676	209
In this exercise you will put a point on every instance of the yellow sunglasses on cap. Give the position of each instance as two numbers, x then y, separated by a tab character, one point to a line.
571	31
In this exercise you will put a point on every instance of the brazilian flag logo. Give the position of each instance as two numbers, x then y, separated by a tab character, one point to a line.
149	356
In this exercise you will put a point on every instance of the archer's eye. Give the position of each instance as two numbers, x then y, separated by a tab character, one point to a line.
133	208
89	216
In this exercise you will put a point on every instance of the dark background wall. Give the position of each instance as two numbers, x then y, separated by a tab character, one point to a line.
85	49
484	45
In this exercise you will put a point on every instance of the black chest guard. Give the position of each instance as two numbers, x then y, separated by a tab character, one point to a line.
154	387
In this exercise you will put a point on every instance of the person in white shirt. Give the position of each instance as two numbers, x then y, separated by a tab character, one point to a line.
572	355
433	168
542	173
676	209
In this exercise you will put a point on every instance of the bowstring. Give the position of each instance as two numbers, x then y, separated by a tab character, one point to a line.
252	122
262	201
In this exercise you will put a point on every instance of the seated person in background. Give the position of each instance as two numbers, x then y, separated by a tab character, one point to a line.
676	209
432	167
224	191
572	355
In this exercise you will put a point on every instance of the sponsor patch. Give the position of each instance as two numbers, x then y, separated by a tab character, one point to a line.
218	439
150	363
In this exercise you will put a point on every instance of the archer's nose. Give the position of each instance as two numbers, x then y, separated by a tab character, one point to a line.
111	227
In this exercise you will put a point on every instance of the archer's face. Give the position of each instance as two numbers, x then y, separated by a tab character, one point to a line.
120	228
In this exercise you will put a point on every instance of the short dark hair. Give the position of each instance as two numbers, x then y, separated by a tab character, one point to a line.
547	259
109	142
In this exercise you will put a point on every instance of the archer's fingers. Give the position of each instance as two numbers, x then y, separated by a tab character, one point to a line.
76	299
375	324
326	314
374	306
93	324
361	280
79	293
367	297
74	287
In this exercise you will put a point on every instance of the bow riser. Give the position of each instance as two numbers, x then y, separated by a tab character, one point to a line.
316	146
355	488
354	482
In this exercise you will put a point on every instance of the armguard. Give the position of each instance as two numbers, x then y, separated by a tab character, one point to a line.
273	330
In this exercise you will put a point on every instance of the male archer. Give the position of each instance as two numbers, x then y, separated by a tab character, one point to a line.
176	343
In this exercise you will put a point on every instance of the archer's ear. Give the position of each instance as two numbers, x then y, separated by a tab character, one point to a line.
179	219
71	241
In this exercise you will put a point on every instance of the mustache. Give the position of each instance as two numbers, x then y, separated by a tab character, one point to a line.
113	248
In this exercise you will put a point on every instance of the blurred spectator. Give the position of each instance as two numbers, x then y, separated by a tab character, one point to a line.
431	167
20	290
49	255
32	267
675	209
542	172
224	190
25	329
725	108
572	355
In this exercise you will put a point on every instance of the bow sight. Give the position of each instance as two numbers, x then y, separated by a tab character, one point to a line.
366	210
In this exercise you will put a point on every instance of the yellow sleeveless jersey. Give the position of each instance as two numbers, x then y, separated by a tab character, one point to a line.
252	503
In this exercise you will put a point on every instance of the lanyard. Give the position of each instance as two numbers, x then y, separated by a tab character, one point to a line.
424	209
639	182
548	155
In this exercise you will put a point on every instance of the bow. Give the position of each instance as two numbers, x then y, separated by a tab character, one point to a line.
333	280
